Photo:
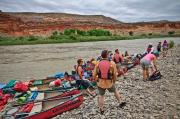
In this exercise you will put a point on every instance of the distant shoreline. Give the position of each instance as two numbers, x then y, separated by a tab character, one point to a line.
32	40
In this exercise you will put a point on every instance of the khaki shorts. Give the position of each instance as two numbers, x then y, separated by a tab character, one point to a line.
145	63
118	65
102	90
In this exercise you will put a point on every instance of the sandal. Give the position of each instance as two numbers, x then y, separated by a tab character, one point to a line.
122	104
101	111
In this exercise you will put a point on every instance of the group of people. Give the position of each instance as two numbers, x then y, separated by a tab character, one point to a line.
108	66
149	58
105	73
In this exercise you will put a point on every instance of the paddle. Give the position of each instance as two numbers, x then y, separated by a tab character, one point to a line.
44	100
19	114
55	90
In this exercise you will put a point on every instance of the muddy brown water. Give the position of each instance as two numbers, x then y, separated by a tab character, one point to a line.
22	62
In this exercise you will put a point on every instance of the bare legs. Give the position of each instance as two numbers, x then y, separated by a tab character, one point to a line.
145	74
90	92
101	100
117	95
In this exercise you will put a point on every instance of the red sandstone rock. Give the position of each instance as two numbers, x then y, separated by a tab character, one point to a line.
22	24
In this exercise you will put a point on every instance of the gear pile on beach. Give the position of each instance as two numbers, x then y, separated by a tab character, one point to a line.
62	92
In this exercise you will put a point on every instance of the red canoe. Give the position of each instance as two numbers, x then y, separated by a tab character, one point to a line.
54	106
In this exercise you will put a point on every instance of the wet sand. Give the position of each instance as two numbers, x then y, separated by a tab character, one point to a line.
22	62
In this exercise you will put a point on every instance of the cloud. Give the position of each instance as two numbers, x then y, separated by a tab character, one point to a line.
123	10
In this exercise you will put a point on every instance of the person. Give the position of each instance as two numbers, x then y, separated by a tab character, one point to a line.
150	49
67	77
99	58
105	74
165	45
159	47
127	58
118	59
148	61
110	55
67	81
165	48
126	54
80	80
93	61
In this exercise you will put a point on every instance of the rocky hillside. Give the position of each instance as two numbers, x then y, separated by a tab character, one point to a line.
21	24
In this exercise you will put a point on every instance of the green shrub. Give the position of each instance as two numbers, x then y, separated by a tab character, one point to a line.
131	33
72	37
81	33
1	38
69	31
171	44
143	35
32	38
55	33
98	32
171	32
150	34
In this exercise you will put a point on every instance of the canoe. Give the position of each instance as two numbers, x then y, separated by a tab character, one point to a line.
9	87
48	107
46	88
41	82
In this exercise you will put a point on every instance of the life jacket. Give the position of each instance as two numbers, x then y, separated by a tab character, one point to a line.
77	70
55	83
104	70
148	50
20	87
117	58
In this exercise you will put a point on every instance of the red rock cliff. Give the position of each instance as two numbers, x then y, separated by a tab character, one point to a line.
21	24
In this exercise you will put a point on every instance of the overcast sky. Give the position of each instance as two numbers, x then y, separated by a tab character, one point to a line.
123	10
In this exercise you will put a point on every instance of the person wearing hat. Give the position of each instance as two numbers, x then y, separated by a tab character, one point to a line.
105	74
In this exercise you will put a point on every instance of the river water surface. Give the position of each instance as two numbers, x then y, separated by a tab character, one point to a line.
22	62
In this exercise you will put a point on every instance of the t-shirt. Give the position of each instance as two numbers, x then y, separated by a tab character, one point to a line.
150	57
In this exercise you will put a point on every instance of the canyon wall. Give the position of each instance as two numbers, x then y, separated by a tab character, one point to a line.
43	24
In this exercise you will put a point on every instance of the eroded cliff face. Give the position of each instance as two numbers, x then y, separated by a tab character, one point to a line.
43	24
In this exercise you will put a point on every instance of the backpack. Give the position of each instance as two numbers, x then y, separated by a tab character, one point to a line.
104	70
157	75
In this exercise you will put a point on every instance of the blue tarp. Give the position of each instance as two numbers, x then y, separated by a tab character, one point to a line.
2	85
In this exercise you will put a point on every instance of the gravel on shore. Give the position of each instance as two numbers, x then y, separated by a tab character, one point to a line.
158	99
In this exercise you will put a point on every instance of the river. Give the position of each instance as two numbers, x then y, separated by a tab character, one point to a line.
22	62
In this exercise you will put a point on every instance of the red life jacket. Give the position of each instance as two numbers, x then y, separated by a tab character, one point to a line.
82	72
20	87
117	58
148	50
104	69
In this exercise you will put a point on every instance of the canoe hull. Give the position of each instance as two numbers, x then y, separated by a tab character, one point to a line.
59	109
